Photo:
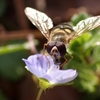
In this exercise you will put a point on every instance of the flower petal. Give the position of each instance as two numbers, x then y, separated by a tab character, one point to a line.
33	69
63	76
45	61
38	64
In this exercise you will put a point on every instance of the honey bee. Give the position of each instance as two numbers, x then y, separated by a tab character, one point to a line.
60	36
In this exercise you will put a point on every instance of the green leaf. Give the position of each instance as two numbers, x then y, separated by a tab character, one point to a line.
78	17
87	80
78	45
2	96
11	65
10	48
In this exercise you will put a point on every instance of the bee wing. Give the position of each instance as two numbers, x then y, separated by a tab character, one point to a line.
86	25
40	20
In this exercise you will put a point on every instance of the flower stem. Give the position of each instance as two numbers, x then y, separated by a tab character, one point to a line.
39	94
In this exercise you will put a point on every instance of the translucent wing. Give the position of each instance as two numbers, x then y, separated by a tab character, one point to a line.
40	20
86	25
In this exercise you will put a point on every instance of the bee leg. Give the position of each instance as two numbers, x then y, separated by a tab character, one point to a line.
48	61
70	56
61	66
44	48
66	60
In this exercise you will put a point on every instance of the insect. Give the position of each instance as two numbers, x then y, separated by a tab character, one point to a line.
61	35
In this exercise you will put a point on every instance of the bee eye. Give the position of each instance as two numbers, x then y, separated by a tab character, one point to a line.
61	47
50	46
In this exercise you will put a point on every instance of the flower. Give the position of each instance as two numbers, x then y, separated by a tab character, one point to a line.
47	72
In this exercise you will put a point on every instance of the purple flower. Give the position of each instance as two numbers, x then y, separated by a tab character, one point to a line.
43	67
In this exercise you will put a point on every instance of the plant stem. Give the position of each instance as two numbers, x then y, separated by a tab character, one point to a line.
39	94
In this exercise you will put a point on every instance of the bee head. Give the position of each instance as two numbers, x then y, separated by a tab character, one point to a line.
56	49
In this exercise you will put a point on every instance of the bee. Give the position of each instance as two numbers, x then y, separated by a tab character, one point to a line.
60	36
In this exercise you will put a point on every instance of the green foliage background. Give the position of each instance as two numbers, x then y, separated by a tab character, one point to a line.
11	64
86	60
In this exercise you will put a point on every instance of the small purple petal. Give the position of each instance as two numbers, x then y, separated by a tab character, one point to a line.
63	76
38	64
45	61
33	69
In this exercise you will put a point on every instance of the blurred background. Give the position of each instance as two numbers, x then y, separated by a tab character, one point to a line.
20	39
